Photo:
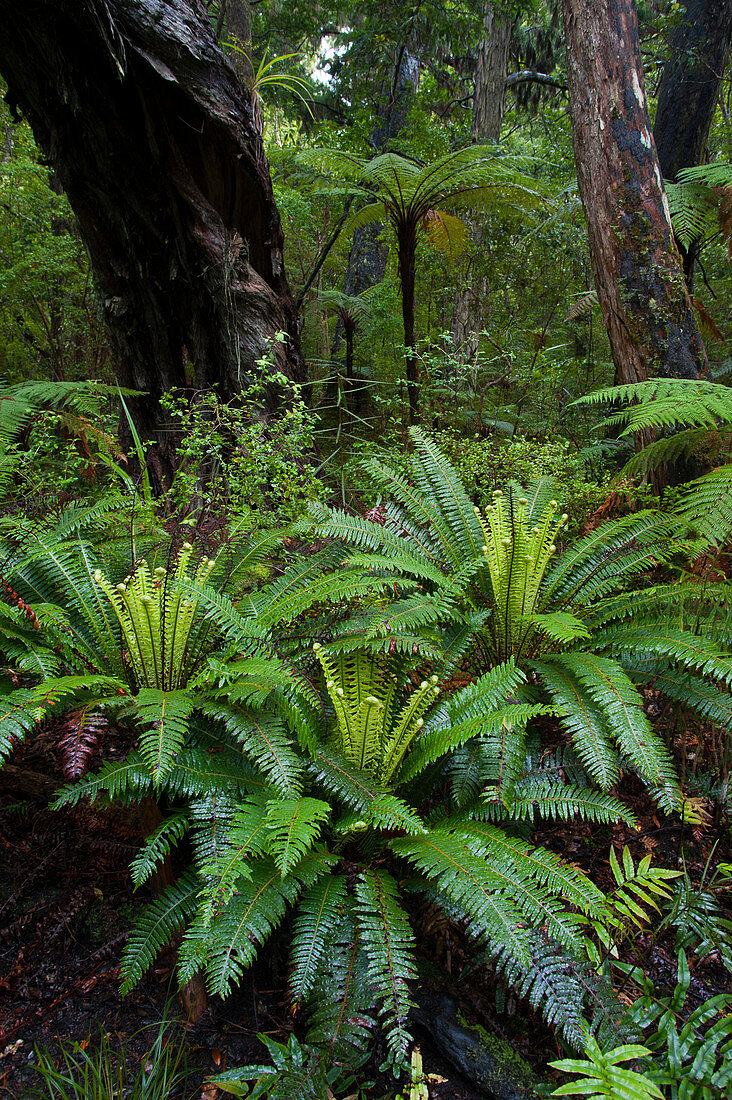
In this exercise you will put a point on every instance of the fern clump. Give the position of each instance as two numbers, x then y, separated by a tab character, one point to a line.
351	835
448	579
155	612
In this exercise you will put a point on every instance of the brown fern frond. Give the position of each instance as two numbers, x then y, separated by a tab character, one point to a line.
83	729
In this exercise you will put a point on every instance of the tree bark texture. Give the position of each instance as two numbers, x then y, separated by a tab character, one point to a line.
489	94
688	93
489	101
637	268
152	137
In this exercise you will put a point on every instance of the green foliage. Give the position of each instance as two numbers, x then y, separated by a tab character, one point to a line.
487	464
331	850
230	460
693	418
601	1075
689	1052
105	1073
494	579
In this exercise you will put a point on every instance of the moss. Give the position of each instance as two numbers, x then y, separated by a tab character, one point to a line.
503	1070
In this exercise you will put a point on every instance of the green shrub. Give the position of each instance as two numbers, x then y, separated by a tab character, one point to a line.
485	465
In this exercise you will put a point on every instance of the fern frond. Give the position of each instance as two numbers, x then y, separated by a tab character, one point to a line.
158	847
585	720
292	824
387	941
555	801
612	692
162	717
469	885
264	740
155	928
319	916
243	925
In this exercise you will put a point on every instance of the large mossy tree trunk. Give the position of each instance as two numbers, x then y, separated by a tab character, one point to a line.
687	96
638	271
151	135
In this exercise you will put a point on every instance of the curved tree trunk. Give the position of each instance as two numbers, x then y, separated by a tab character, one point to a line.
151	135
688	93
637	268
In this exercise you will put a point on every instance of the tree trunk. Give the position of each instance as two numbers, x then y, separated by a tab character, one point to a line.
638	271
489	95
489	100
152	137
688	93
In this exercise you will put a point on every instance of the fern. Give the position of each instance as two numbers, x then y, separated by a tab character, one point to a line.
320	914
155	928
292	826
158	847
387	943
601	1074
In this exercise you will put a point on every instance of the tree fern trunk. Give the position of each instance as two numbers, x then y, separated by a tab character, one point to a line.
407	257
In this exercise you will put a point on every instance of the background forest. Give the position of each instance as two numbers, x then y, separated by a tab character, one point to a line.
366	505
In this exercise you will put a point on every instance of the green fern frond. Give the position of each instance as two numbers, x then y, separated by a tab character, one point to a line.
319	916
292	824
264	740
612	691
387	942
162	718
158	847
243	925
469	885
584	719
555	801
565	989
706	504
155	928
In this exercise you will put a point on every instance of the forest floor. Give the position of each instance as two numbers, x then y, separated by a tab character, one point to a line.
66	903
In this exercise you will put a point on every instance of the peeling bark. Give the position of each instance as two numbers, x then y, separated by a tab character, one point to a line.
152	137
637	268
